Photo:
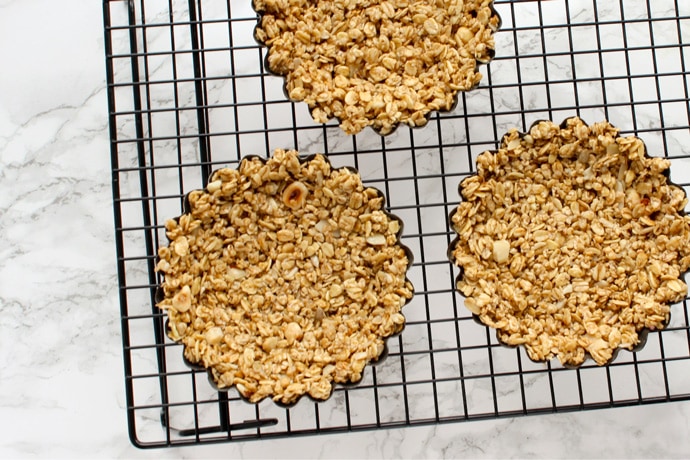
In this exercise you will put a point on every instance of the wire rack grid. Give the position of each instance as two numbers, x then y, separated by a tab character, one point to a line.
188	93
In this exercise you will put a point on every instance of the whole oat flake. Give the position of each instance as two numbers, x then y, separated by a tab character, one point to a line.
376	63
284	277
571	241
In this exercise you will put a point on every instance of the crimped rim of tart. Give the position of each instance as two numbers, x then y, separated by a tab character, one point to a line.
378	64
284	277
571	241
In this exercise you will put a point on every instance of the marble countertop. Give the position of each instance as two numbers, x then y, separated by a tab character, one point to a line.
61	367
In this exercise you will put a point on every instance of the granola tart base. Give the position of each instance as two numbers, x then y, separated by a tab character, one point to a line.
572	241
284	277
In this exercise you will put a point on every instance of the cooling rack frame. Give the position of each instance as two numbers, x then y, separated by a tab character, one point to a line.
188	93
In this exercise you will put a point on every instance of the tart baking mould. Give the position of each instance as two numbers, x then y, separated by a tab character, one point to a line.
571	241
284	277
376	63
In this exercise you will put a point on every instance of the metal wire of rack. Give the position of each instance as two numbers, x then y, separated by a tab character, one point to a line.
188	93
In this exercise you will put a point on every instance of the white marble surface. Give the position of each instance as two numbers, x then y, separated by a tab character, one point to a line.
61	372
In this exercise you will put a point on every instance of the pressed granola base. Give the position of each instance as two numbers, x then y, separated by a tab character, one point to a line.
376	63
284	277
571	241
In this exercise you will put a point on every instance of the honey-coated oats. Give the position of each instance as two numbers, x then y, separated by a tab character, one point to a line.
571	241
376	63
283	277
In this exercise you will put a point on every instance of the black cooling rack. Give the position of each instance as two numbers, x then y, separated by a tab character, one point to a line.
188	93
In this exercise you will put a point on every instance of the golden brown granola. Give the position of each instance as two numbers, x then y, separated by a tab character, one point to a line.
571	241
284	277
376	63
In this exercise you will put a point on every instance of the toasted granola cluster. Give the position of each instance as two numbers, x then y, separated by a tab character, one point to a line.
376	63
284	277
571	241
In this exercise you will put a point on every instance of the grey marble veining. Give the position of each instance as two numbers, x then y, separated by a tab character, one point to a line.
61	371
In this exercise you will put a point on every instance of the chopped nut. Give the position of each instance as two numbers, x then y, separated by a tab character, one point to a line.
181	246
321	226
293	331
182	301
335	290
214	335
295	195
376	239
269	344
464	35
214	186
501	251
235	274
513	144
472	306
